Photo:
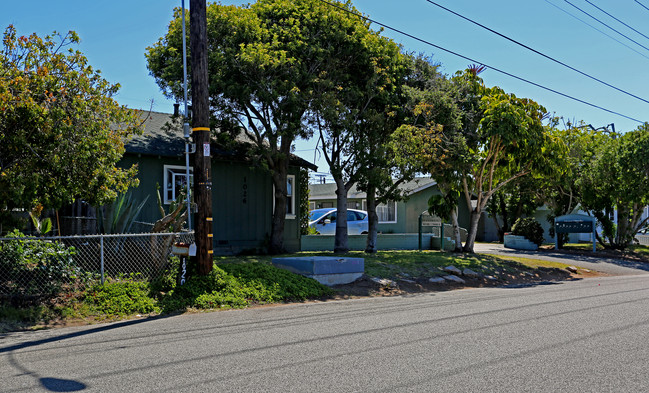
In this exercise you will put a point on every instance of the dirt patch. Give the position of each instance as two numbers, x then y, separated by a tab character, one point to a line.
367	287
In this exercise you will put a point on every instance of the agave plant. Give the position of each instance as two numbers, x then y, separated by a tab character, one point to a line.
42	226
119	216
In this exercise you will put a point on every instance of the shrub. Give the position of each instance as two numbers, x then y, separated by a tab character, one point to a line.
239	285
34	270
169	277
120	297
530	228
283	284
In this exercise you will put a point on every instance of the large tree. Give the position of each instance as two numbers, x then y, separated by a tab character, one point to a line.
498	139
268	61
617	182
61	132
356	117
445	114
390	155
511	142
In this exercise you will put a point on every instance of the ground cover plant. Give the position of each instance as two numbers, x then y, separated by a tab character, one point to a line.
243	281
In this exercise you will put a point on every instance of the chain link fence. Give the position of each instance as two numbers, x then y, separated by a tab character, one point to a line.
39	267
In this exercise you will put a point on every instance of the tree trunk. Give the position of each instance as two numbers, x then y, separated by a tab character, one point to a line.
276	245
456	231
473	230
341	244
373	221
505	216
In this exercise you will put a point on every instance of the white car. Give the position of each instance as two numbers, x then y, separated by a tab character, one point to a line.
324	221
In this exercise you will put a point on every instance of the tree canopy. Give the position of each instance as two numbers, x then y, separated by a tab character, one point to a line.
272	63
61	132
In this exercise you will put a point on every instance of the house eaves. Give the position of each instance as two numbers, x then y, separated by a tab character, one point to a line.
163	136
328	191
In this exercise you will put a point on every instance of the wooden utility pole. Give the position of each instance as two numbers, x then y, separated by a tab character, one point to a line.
201	134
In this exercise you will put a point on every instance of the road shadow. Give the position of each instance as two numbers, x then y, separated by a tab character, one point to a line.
85	332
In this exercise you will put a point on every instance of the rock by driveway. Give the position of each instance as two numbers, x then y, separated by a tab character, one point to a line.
610	266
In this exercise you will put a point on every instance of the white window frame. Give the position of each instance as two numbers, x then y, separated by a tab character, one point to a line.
289	179
177	171
383	204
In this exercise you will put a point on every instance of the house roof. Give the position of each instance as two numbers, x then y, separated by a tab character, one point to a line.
328	190
163	136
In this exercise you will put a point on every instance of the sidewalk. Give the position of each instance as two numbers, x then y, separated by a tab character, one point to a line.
617	267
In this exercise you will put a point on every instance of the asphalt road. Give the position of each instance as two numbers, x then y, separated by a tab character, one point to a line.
584	336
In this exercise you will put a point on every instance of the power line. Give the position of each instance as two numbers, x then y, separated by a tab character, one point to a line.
538	52
622	34
476	61
595	28
589	2
642	5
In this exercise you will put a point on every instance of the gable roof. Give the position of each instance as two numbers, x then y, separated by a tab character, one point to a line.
163	136
328	190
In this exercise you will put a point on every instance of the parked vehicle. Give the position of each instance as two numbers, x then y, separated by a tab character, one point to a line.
324	221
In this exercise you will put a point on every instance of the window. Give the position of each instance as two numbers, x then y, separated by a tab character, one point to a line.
353	205
355	216
290	196
175	179
387	212
311	205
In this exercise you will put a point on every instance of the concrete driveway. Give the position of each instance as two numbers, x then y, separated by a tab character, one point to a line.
610	266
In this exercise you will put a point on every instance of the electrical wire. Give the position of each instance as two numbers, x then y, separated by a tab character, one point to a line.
595	28
538	52
622	34
476	61
594	5
642	5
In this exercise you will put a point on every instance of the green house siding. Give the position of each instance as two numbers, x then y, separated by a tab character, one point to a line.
408	211
242	202
150	174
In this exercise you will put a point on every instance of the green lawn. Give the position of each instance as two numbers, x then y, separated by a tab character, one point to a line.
400	264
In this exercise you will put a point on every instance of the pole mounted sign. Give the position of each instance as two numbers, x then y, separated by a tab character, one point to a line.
575	223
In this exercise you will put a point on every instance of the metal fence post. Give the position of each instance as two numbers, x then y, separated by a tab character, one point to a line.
420	231
101	257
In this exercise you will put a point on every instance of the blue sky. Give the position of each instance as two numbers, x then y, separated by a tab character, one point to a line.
115	34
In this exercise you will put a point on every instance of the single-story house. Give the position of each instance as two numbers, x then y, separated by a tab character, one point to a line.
242	192
394	216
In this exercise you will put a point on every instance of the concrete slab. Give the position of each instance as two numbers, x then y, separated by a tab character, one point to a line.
326	270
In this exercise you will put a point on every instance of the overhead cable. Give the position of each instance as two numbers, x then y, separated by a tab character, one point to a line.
642	5
595	28
622	34
538	52
594	5
476	61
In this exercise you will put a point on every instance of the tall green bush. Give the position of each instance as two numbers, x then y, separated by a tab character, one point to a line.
530	228
34	270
